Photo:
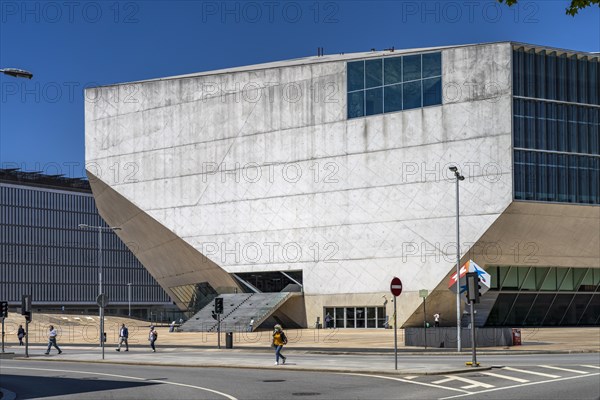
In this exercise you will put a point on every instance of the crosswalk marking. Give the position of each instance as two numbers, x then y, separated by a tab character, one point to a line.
471	383
591	366
510	378
576	371
531	372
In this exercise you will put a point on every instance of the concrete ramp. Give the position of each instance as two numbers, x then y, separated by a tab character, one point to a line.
240	309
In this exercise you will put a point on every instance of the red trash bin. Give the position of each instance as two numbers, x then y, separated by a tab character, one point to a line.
516	336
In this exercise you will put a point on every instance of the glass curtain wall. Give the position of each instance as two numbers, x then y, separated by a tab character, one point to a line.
545	296
556	127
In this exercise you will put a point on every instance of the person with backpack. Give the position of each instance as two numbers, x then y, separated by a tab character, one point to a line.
21	335
279	340
152	336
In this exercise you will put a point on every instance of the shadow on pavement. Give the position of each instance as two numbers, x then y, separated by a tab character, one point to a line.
27	387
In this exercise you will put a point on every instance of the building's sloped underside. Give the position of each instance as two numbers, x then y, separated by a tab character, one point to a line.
528	235
169	259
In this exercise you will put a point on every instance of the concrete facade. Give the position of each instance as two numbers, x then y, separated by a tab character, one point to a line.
259	169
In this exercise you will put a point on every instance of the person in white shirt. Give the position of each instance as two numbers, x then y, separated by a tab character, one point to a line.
436	319
52	340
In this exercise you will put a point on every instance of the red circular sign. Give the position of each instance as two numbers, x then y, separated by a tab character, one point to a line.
396	286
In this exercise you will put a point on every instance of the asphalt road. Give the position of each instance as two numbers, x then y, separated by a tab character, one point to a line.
574	376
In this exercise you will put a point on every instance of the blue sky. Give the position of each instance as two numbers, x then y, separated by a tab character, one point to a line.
72	45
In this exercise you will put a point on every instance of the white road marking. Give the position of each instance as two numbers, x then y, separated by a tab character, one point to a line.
576	371
413	382
472	383
510	378
522	385
126	377
523	371
442	381
591	366
410	377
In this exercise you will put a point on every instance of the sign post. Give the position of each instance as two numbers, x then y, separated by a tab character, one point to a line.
423	293
26	311
102	301
396	289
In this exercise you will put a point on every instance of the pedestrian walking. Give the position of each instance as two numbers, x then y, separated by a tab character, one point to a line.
279	340
251	325
123	338
52	340
152	336
436	320
21	335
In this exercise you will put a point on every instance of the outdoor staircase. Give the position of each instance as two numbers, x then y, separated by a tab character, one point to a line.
238	311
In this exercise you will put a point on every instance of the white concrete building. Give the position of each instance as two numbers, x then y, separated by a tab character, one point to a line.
334	170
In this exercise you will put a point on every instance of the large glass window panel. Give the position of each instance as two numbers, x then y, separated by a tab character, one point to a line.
572	78
356	75
411	67
501	309
592	312
558	309
392	98
527	278
510	281
432	65
576	309
381	317
561	74
593	82
573	179
519	176
562	125
392	68
373	73
540	75
563	189
360	317
561	274
519	310
350	317
582	130
542	178
550	281
530	178
552	177
356	104
568	281
530	73
594	180
432	91
493	271
572	129
594	131
519	122
518	68
582	78
371	318
411	95
540	276
374	101
530	124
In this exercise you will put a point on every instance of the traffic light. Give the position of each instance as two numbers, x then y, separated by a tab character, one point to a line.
25	304
4	309
473	287
218	305
28	317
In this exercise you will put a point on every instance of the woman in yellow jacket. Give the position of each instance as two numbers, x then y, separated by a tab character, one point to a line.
279	340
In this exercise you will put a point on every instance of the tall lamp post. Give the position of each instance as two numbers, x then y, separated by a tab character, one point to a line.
100	229
17	73
129	297
459	178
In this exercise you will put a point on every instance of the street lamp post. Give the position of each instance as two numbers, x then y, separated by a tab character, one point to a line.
129	297
100	229
459	178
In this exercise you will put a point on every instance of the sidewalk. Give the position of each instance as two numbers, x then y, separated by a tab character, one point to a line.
298	360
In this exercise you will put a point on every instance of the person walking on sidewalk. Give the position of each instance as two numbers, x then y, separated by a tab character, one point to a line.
279	340
20	334
123	336
152	336
52	340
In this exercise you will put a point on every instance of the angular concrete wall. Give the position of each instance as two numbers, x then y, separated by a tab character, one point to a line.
260	169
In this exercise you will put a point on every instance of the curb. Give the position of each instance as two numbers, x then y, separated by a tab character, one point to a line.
457	370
